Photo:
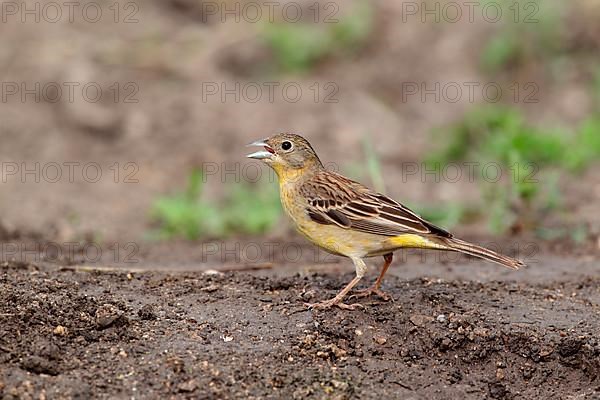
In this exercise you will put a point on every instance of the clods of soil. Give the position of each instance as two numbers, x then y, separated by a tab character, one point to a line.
69	334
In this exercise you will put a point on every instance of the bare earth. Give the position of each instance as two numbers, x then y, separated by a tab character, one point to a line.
72	333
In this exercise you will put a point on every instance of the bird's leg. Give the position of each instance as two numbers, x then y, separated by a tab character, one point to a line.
375	288
361	268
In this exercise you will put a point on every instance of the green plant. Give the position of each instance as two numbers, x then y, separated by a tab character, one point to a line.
185	215
586	148
251	210
246	210
528	154
351	32
578	233
298	46
499	133
373	165
530	30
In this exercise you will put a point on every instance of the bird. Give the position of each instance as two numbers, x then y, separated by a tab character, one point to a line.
346	218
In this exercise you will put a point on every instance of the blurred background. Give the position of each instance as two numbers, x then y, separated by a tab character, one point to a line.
126	122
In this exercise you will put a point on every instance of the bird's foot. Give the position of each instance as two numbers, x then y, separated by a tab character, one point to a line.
335	302
373	290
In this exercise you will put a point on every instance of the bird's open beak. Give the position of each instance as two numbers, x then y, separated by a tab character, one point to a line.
261	155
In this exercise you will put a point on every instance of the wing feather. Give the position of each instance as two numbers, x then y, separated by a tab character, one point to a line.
334	199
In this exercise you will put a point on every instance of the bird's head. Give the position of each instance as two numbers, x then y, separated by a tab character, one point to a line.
286	153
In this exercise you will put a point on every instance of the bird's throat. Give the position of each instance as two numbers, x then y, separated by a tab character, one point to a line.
287	175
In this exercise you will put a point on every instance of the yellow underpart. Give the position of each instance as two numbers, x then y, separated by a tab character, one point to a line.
413	241
287	175
335	239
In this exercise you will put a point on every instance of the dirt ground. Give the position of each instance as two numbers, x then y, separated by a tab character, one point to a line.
72	332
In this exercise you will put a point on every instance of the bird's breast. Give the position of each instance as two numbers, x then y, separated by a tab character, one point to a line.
293	204
334	239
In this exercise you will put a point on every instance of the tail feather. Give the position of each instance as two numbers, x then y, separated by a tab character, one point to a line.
481	252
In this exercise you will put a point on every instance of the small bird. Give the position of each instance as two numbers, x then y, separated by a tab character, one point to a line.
346	218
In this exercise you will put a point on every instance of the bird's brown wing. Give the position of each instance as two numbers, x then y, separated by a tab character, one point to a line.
334	199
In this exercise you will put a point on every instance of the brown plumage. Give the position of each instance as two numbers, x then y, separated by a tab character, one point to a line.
349	219
335	199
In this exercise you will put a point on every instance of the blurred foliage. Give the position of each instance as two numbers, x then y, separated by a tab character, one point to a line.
534	34
446	216
531	29
252	210
183	215
578	234
530	155
373	165
501	133
298	46
246	210
587	145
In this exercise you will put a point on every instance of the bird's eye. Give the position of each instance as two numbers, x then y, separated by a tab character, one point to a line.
286	145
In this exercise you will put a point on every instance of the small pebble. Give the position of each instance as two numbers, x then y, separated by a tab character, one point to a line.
339	384
106	315
379	339
188	386
60	331
420	320
210	288
147	312
499	374
481	332
546	351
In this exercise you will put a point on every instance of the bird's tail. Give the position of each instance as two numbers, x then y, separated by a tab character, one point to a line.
481	252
